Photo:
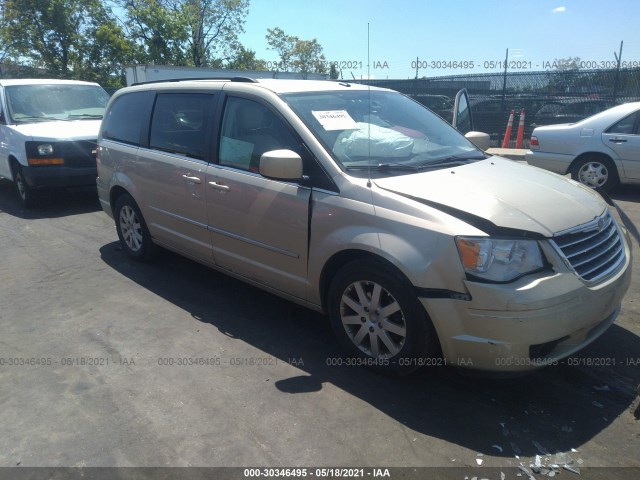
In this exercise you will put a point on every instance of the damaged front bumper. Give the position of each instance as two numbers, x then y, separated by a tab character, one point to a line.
533	322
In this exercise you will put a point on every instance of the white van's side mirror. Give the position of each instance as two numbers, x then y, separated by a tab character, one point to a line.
281	165
479	139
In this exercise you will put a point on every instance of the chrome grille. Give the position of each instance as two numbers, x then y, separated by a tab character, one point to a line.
594	250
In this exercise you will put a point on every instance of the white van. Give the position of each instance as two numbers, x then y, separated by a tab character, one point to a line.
48	132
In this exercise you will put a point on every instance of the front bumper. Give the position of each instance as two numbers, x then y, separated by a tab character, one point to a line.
527	324
60	176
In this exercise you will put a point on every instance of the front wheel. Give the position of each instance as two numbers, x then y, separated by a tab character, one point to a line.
595	171
378	320
132	230
28	196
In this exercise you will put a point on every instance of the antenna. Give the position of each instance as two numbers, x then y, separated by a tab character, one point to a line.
369	106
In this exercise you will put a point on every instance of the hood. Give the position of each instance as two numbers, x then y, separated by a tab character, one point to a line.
60	130
508	194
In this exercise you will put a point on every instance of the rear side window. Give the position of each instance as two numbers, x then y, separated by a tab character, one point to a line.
126	117
179	123
624	126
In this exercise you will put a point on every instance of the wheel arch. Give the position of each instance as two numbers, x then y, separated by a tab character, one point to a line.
595	154
13	164
115	193
342	258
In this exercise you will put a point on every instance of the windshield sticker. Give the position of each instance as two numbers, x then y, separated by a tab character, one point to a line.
335	120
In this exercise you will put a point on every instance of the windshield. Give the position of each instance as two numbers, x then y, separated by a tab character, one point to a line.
42	103
380	130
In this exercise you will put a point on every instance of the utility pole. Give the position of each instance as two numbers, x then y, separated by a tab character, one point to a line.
615	85
417	65
504	81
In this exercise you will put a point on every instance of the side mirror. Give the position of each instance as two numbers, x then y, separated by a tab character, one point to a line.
479	139
281	165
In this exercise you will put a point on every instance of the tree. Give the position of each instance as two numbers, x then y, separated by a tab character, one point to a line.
159	32
214	26
304	56
66	38
186	32
283	44
333	72
566	74
244	59
308	58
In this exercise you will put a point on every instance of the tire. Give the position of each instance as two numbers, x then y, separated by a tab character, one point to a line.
596	171
378	320
132	230
28	196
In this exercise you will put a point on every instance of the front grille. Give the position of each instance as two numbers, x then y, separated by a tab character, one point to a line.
594	250
79	153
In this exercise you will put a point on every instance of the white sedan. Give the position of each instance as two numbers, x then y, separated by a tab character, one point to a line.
600	151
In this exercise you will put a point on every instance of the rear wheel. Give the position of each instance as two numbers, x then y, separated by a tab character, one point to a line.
596	171
378	320
132	229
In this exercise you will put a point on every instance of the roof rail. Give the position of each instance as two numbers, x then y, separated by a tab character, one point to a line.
244	79
227	79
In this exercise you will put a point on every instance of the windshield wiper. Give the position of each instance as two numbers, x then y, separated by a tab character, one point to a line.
454	159
44	119
84	115
384	167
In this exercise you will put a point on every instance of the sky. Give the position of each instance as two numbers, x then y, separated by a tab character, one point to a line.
449	37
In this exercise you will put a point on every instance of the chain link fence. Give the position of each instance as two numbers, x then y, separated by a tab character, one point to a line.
546	97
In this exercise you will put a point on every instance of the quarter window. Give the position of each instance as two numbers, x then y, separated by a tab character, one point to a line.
179	123
126	117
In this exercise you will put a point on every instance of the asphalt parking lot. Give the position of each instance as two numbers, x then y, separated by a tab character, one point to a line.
107	362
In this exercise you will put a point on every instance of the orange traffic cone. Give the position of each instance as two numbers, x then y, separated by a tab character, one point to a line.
520	135
507	133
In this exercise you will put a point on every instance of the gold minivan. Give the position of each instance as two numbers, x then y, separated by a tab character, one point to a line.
361	203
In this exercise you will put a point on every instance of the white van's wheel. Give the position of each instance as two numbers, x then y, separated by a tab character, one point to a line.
27	196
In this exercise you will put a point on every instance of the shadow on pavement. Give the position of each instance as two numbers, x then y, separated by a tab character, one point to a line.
553	410
627	193
52	204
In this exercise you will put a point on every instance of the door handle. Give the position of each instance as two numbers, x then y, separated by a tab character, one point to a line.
192	179
219	186
617	140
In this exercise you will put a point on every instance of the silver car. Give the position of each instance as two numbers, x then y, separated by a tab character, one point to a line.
600	151
363	204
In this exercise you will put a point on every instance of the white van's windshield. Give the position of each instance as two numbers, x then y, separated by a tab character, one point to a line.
42	103
380	130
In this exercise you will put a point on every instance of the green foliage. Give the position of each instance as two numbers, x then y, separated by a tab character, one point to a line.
84	39
196	33
214	26
304	56
66	38
159	32
333	72
244	59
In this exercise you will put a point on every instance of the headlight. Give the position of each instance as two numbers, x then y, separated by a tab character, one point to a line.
44	153
499	260
45	149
